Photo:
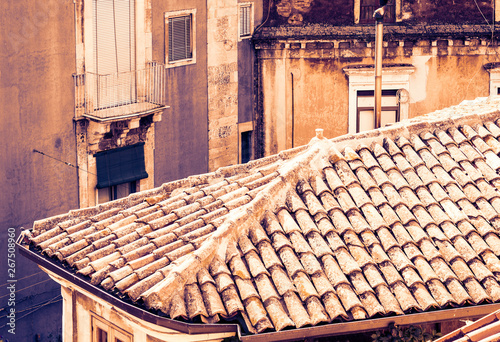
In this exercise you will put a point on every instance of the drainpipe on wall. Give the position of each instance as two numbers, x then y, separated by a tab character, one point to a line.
379	38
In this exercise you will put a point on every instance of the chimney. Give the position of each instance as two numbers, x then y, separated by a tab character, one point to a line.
319	136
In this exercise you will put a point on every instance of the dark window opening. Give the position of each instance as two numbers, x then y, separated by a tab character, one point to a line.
115	192
179	38
246	146
368	7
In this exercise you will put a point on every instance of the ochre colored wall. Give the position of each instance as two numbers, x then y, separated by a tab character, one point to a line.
316	103
319	95
37	59
449	81
81	308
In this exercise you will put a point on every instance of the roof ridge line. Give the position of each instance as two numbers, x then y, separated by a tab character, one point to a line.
238	222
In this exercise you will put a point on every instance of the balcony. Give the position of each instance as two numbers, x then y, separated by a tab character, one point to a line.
120	95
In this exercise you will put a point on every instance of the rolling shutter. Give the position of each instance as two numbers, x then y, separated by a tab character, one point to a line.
114	36
179	38
120	165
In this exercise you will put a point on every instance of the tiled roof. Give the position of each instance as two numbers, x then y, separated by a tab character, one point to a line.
486	329
390	222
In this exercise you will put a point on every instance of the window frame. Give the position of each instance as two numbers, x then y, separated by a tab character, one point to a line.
396	8
371	20
113	191
111	329
388	92
250	19
494	80
362	78
178	14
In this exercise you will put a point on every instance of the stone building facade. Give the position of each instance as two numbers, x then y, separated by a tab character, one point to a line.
315	64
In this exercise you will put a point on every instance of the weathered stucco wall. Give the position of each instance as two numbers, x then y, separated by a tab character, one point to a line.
182	135
316	96
36	110
80	308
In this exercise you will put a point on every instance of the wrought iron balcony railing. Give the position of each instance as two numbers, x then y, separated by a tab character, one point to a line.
106	97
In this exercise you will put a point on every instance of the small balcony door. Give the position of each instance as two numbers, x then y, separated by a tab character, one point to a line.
114	52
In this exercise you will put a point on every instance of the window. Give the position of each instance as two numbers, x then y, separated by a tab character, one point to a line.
180	38
362	82
114	192
103	331
494	71
246	146
245	20
245	130
364	9
114	38
114	52
365	108
118	171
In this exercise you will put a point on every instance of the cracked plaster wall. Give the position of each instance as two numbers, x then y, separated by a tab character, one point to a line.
317	97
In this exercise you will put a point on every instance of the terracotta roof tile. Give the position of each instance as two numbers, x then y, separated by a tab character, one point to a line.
333	231
318	244
278	315
325	226
231	300
296	310
316	311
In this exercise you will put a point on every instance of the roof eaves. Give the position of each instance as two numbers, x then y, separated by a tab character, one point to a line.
187	328
374	324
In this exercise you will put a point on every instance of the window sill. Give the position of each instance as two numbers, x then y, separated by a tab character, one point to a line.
179	63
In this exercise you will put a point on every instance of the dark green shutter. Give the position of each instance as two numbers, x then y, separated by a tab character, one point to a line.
121	165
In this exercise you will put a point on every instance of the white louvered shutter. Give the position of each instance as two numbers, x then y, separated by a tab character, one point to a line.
114	36
245	16
179	38
114	52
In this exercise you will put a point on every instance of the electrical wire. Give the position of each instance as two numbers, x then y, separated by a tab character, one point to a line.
36	306
487	22
29	313
267	18
27	287
486	49
28	276
62	161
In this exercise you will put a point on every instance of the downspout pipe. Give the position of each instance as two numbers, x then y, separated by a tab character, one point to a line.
379	38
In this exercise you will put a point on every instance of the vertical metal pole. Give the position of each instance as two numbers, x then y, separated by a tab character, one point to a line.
293	113
379	33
